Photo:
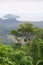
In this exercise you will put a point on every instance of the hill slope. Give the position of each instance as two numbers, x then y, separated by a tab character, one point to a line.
10	22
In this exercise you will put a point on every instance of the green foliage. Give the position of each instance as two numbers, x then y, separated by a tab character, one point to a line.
36	49
26	27
23	28
23	54
16	33
40	62
13	56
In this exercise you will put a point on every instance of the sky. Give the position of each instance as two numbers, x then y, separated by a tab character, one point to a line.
29	10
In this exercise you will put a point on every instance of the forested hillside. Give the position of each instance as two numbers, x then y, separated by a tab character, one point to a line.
28	52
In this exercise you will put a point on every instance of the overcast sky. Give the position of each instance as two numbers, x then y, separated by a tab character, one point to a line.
26	9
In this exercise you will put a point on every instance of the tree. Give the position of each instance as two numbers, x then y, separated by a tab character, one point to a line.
36	49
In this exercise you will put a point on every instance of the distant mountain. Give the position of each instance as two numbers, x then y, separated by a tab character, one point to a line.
11	16
9	22
38	24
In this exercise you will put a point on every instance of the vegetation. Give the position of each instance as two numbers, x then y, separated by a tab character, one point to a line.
30	53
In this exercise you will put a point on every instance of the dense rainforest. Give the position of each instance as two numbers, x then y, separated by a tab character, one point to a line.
28	52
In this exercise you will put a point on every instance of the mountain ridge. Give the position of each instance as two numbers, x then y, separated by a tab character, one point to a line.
11	22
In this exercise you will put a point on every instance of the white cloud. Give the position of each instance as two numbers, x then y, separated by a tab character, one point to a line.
31	9
23	7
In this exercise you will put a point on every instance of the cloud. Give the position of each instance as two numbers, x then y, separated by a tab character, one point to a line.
32	9
22	7
18	0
